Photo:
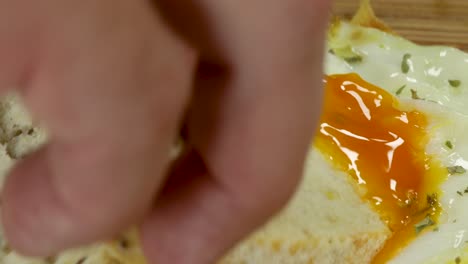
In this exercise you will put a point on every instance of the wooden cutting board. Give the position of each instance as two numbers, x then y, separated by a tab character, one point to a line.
432	22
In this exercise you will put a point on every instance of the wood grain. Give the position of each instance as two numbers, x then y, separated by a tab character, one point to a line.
431	22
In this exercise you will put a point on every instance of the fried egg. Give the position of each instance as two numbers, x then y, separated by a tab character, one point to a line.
394	120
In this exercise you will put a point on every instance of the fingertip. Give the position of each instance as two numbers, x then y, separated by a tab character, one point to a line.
179	228
34	220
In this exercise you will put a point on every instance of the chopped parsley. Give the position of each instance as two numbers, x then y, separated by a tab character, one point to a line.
348	54
455	83
460	193
449	144
435	229
354	59
405	67
457	260
466	190
456	170
426	222
400	90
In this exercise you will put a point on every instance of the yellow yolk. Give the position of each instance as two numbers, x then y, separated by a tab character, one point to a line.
382	148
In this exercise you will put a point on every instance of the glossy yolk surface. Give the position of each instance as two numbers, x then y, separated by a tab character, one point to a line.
382	148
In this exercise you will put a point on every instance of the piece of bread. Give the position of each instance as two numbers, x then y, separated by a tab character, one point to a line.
121	251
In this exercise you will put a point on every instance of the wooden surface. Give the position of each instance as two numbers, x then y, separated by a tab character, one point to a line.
423	21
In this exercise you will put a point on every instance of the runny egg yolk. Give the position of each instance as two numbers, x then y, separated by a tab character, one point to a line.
382	148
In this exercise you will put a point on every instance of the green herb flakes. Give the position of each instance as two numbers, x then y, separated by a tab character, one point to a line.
348	54
354	59
455	83
460	193
456	170
426	222
457	260
449	144
400	90
405	67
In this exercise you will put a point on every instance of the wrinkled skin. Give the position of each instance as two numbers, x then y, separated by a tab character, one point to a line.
113	81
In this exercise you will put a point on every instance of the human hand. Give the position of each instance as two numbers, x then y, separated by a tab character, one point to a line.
112	81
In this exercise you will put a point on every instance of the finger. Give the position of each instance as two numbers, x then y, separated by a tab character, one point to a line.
191	204
111	82
259	117
252	121
203	214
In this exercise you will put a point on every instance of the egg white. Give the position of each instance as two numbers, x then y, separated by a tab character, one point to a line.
430	69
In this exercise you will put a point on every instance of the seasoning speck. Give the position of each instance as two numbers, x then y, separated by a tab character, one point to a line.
405	67
460	193
414	95
17	133
400	90
348	54
81	260
455	83
354	59
457	260
432	200
449	144
124	243
456	170
426	222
